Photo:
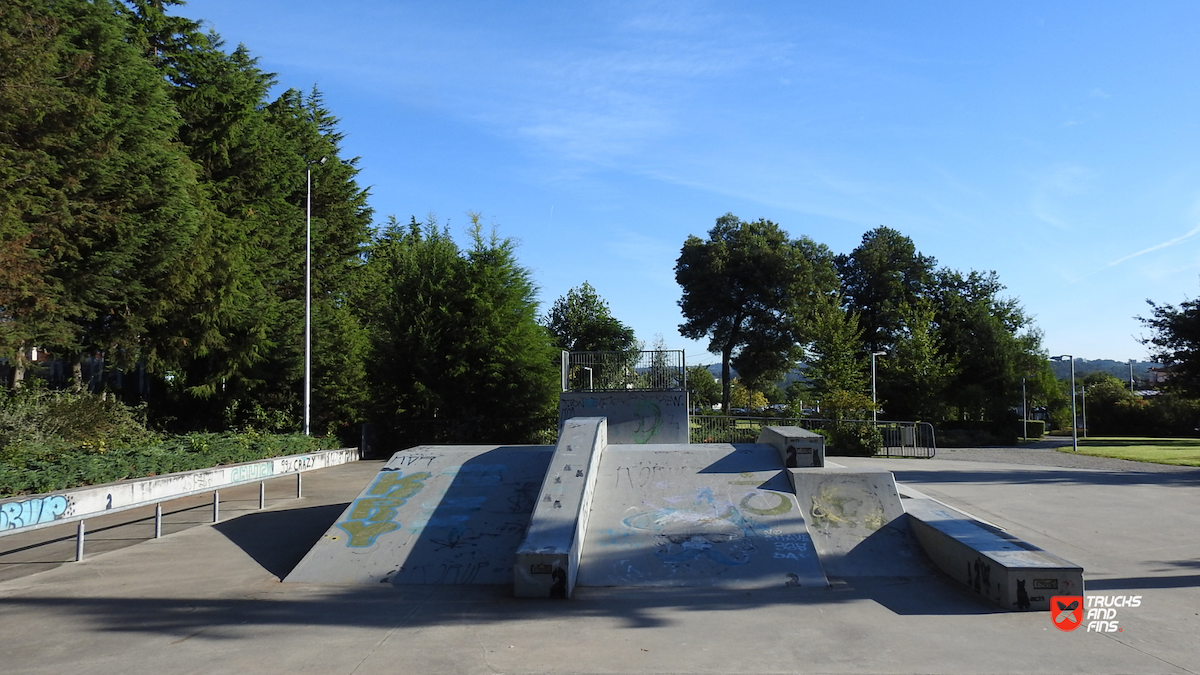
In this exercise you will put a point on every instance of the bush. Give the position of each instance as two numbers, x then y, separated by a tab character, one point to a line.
31	468
54	440
1033	428
853	439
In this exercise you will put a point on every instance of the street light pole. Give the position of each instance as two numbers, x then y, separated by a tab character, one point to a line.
874	403
1074	419
1024	413
308	291
1083	389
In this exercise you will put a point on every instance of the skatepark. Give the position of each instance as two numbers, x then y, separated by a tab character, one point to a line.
652	595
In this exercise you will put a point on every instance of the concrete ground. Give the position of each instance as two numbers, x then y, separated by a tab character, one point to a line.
207	599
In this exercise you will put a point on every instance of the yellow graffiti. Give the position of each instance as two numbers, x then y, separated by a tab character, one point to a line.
399	487
364	533
779	509
372	516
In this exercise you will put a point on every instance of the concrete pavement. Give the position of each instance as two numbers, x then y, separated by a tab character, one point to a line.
207	599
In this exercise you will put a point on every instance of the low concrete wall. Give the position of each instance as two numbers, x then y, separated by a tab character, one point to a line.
547	561
1009	572
634	417
31	512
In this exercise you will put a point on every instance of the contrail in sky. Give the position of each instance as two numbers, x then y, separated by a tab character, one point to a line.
1166	244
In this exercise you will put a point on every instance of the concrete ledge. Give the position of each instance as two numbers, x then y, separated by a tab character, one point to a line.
547	561
1011	573
31	512
797	447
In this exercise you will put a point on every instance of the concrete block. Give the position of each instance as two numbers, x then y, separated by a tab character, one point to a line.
797	447
547	561
1011	573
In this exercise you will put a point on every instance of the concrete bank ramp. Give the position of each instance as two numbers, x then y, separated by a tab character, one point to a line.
696	515
857	523
433	515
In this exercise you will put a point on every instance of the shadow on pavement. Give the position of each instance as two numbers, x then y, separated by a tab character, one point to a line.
1028	476
416	606
278	540
1134	583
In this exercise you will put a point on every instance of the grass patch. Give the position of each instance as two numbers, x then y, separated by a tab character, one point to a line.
1177	451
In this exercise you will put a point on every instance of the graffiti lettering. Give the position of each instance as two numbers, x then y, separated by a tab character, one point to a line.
251	471
641	476
298	464
14	515
374	515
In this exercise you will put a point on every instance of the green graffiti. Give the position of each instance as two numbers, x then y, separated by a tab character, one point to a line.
784	505
649	420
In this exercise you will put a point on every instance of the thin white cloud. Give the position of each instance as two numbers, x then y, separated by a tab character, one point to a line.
1191	234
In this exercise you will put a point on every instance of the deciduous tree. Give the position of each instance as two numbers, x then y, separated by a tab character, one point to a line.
751	291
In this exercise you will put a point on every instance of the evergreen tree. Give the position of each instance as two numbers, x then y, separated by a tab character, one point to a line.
454	333
106	205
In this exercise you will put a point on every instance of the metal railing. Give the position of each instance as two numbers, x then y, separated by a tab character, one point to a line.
34	512
900	439
624	371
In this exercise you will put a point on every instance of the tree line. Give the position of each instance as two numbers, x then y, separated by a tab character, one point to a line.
153	200
948	346
153	211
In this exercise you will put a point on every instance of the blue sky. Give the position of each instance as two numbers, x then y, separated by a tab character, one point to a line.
1055	143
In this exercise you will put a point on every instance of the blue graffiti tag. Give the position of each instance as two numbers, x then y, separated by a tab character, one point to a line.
15	515
374	514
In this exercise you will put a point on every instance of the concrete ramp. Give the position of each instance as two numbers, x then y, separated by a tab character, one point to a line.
857	523
434	515
696	515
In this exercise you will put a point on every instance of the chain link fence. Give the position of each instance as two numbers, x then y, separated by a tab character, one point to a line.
624	371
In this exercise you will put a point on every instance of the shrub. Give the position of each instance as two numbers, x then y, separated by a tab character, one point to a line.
1033	428
853	439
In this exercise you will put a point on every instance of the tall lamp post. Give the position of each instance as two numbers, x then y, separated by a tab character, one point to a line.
874	404
308	290
1074	419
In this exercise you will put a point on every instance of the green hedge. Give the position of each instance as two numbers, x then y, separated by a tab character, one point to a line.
32	468
1035	428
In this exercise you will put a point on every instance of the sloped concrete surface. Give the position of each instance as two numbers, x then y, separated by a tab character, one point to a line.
433	515
697	515
857	523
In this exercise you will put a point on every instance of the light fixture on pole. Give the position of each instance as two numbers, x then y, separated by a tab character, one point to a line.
874	404
1074	419
308	291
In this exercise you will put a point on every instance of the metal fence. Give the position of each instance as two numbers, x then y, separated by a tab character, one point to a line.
624	371
900	439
